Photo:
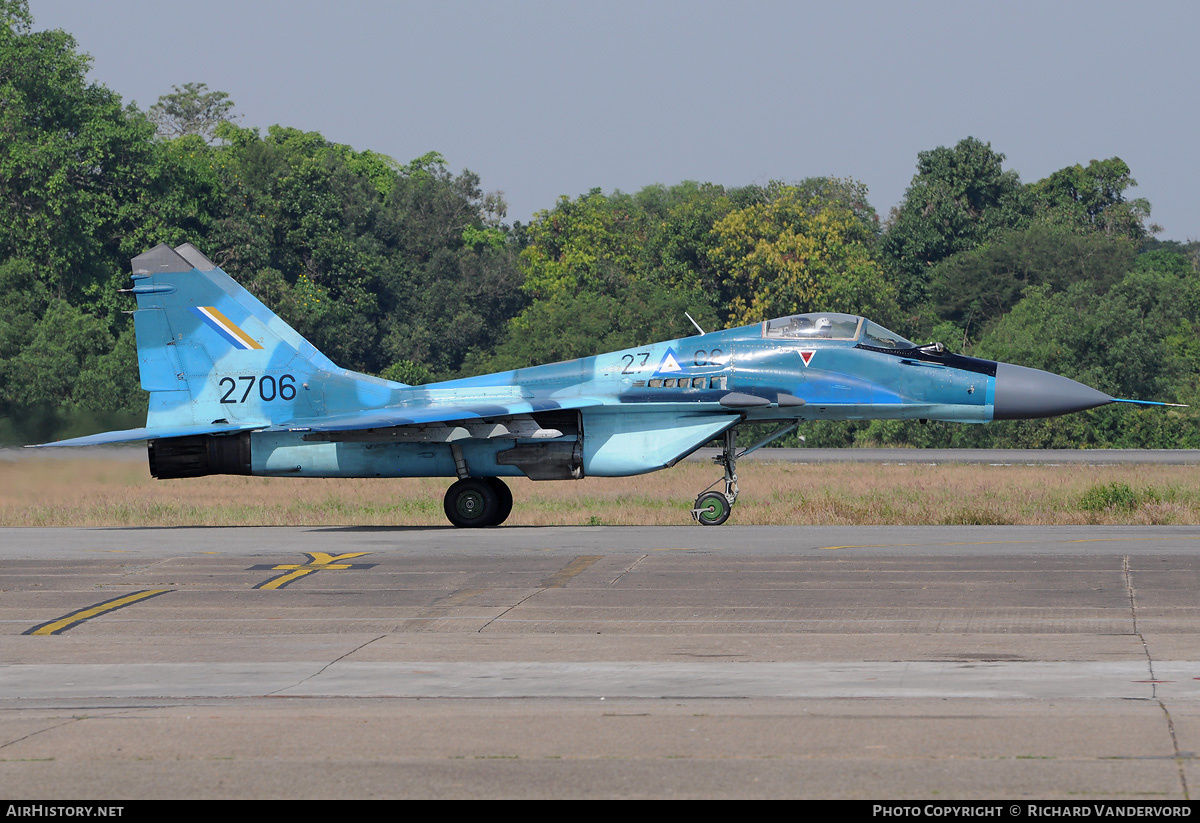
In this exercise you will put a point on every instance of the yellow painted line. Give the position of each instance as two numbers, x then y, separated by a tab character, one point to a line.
316	567
318	561
284	579
74	618
323	559
575	567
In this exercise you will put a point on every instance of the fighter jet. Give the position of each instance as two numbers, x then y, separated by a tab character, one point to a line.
235	390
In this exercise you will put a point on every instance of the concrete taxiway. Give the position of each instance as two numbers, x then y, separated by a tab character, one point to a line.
857	662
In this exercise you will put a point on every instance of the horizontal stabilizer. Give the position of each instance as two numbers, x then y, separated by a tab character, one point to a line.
153	433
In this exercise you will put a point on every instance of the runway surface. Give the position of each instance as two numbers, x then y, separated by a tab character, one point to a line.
856	662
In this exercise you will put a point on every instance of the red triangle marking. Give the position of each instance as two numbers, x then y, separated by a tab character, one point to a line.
807	355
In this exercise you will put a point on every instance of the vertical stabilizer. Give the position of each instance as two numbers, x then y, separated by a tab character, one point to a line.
211	352
194	256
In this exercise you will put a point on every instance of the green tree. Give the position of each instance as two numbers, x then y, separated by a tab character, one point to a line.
61	369
590	244
959	198
192	109
797	253
70	158
847	193
453	279
610	271
376	262
566	326
1092	198
976	287
407	371
1137	340
674	237
14	14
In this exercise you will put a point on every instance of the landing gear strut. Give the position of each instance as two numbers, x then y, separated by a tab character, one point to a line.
713	508
477	502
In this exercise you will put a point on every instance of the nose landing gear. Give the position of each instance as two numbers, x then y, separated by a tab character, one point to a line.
713	508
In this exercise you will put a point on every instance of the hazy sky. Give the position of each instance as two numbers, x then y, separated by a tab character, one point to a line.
544	99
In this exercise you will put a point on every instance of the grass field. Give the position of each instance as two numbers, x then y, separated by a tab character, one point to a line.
53	491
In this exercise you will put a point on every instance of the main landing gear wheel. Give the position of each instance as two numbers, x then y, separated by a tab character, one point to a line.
712	509
503	497
472	503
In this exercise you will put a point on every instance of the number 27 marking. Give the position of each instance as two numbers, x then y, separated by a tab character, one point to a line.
629	360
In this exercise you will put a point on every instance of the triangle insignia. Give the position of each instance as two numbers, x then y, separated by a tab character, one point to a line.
669	363
807	355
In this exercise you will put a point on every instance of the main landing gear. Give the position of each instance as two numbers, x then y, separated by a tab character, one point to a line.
476	502
713	508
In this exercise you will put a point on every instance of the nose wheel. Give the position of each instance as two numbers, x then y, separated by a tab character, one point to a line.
712	509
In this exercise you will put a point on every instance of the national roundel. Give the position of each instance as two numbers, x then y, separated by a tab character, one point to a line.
669	363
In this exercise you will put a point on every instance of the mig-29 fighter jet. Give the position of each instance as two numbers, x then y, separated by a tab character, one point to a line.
235	390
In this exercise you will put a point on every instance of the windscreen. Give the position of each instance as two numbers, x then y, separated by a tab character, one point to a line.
876	335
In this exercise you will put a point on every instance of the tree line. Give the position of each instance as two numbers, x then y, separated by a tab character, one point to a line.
413	272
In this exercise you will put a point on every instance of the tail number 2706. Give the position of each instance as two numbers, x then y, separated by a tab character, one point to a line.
269	388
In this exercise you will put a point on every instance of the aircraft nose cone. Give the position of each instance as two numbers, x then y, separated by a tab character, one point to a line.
1022	393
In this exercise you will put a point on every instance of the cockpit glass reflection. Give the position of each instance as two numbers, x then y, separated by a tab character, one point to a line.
815	326
876	335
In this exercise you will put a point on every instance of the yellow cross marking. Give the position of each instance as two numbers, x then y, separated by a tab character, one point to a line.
313	566
317	562
321	560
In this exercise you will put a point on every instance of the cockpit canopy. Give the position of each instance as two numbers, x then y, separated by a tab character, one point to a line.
832	326
876	335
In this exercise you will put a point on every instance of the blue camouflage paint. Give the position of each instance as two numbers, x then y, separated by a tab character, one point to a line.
634	410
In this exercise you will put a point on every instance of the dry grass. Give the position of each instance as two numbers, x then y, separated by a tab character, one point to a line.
120	492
